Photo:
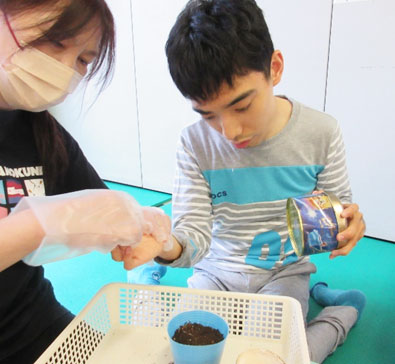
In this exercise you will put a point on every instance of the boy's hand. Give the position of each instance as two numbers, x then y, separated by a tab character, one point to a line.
148	249
355	231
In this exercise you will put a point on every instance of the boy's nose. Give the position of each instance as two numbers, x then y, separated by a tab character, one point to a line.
231	128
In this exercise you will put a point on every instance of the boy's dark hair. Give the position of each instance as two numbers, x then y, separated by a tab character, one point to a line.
213	41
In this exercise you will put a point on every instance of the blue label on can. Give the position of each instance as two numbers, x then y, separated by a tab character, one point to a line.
319	223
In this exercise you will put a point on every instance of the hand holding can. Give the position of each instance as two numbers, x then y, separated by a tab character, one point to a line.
314	222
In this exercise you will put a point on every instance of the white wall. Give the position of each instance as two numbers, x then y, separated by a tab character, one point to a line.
361	95
163	112
301	30
106	125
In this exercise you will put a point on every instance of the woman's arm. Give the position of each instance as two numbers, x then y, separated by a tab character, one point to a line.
20	234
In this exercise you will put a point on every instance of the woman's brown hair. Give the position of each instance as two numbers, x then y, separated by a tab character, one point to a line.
72	17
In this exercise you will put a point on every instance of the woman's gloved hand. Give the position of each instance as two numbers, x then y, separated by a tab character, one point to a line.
80	222
156	239
157	224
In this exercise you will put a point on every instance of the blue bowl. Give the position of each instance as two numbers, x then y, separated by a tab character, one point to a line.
197	354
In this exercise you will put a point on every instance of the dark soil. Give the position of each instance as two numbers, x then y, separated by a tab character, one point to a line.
197	334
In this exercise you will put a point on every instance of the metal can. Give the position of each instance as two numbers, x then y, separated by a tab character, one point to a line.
313	223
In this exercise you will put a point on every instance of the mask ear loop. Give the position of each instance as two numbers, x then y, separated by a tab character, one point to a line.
11	31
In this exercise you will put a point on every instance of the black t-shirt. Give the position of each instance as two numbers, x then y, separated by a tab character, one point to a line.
27	302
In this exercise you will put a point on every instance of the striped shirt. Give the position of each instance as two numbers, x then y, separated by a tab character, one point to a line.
229	204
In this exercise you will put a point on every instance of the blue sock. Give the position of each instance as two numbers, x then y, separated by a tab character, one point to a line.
325	296
147	274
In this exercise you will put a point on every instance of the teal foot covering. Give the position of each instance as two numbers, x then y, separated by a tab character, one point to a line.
147	274
325	296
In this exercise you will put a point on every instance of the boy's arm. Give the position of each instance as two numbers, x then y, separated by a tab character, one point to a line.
191	211
169	256
334	178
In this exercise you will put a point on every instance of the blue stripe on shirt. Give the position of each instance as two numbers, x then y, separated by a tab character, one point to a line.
260	184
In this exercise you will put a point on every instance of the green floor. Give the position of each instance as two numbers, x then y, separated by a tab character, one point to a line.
144	197
370	268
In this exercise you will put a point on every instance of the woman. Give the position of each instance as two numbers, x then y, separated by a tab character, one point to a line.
47	47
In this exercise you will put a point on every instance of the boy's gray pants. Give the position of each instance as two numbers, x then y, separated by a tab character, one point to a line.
324	333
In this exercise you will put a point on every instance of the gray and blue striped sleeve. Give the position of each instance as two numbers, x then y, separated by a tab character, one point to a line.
334	177
192	209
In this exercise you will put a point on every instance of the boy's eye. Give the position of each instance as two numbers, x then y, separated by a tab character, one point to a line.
209	118
241	109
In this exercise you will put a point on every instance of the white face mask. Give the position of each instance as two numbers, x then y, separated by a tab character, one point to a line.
34	81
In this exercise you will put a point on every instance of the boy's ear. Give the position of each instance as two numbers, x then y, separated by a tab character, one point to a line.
277	67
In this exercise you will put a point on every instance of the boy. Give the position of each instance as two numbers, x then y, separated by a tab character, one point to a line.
237	166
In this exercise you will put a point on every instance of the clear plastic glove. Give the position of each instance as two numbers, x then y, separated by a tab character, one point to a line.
157	238
158	224
80	222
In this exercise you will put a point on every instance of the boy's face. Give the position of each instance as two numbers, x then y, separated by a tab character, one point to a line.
247	113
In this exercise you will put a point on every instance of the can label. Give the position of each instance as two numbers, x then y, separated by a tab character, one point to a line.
313	224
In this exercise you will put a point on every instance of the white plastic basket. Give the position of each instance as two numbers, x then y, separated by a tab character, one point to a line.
126	323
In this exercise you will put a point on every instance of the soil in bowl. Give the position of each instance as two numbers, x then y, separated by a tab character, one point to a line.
197	334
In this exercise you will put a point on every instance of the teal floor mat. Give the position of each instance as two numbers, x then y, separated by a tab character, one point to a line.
176	277
77	280
370	267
